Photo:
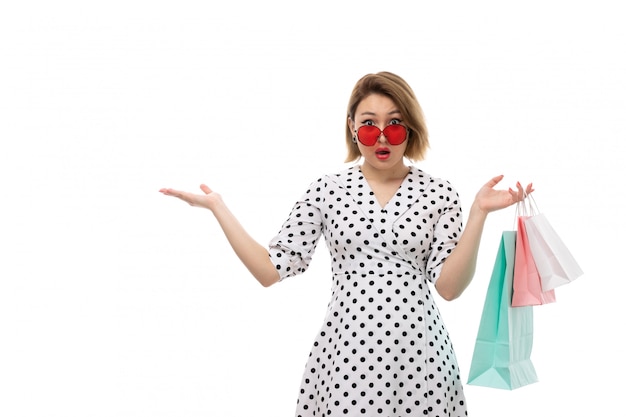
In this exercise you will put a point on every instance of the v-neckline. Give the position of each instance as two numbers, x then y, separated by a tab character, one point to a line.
395	193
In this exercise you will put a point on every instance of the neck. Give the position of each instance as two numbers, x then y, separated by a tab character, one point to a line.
382	175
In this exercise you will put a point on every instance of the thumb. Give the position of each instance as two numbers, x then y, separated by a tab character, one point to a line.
494	181
205	188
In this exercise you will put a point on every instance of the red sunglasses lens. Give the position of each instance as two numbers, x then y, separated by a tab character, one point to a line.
395	134
368	135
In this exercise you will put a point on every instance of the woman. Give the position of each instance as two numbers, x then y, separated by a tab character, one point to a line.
392	232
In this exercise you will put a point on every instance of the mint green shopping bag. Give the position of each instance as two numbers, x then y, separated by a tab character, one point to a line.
501	356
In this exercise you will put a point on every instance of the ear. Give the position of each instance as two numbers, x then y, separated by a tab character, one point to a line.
351	124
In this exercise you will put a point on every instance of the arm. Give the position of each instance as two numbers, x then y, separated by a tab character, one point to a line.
254	256
458	269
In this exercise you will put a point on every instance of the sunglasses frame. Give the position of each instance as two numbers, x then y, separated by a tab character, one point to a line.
382	132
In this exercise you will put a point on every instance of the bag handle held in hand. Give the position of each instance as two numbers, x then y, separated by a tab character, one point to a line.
526	207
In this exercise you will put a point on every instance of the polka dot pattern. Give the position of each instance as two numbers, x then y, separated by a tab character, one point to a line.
383	349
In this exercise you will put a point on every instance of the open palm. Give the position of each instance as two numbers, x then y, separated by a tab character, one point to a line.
206	200
489	199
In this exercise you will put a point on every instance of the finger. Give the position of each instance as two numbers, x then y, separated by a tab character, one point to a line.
175	193
167	191
205	189
494	181
520	192
514	195
529	188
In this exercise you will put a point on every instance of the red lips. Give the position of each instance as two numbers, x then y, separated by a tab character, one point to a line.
382	153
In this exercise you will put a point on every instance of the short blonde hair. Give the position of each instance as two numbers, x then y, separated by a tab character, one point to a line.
399	91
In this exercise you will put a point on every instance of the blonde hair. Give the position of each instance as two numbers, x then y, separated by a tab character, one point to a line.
394	87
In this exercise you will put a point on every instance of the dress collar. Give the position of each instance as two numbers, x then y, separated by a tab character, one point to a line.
408	193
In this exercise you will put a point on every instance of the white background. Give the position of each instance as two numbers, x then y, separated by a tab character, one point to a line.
118	301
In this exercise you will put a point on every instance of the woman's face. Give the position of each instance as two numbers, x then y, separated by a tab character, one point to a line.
380	111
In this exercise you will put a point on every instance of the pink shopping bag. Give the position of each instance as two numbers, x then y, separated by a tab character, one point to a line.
527	289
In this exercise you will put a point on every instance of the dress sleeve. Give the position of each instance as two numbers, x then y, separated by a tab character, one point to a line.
291	250
447	231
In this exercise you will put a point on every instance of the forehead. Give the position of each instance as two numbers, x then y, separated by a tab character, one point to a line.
378	105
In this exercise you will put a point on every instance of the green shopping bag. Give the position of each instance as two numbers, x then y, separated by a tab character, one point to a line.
501	356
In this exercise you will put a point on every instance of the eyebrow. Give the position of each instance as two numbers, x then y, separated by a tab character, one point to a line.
369	113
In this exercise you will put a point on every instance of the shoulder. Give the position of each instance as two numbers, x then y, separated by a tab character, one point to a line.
436	185
319	187
339	178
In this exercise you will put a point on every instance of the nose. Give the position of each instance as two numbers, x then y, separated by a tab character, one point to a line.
382	138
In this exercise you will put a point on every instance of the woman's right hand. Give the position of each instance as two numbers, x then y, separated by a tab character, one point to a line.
207	200
253	255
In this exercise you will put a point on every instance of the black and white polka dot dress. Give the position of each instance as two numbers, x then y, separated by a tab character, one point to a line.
383	349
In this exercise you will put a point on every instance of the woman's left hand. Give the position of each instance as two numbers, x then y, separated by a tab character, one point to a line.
488	199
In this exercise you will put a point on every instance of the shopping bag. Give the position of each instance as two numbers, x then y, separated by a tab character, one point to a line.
501	357
554	261
527	288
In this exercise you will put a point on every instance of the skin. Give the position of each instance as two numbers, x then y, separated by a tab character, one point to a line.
253	255
384	177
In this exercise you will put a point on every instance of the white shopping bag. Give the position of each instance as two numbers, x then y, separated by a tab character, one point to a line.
555	263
